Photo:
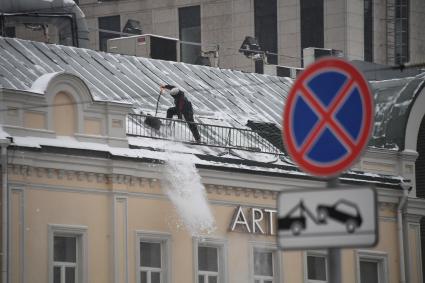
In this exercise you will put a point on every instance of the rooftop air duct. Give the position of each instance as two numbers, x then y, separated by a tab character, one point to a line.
51	6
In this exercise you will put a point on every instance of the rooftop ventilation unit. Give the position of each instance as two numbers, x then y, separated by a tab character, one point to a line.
311	54
146	45
282	71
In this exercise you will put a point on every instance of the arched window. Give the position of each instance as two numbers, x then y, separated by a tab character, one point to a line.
64	115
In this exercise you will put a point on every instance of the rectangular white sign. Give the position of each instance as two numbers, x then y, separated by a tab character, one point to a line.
325	218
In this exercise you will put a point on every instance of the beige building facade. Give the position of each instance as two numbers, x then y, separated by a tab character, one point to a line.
112	205
109	215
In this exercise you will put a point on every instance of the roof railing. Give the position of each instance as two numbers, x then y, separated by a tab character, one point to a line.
211	135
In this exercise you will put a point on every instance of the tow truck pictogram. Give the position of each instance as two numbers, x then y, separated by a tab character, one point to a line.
342	211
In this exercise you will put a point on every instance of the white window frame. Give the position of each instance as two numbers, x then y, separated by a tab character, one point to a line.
276	257
381	258
221	246
80	233
318	253
164	239
64	265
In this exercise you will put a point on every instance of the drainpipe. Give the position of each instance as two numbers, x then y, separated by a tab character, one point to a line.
4	143
406	189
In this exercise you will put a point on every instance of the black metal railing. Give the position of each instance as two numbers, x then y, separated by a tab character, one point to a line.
211	135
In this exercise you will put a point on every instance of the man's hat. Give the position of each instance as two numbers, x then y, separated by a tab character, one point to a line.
174	91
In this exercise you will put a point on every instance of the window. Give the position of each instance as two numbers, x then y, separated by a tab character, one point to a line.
57	28
211	261
67	256
65	259
368	30
208	262
150	262
369	271
190	31
263	266
265	263
64	113
153	259
401	31
372	267
10	31
109	27
265	21
316	266
312	30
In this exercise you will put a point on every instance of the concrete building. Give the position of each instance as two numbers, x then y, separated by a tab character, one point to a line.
84	176
381	31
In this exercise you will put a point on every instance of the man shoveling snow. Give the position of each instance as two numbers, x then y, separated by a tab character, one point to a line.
183	107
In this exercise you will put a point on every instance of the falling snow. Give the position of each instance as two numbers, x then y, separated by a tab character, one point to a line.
182	183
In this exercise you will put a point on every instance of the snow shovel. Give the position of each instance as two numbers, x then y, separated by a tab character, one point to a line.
153	121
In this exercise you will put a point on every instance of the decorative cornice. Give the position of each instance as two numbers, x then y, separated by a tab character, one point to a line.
388	198
413	219
81	176
382	153
115	178
387	206
95	169
416	206
240	192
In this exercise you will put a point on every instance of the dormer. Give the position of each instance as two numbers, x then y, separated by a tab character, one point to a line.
61	104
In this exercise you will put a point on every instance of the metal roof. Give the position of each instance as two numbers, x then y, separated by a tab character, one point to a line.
214	93
219	96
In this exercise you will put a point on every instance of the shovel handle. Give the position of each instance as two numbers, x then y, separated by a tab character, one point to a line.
157	102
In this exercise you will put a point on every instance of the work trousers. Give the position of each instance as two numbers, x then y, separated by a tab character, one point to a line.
188	116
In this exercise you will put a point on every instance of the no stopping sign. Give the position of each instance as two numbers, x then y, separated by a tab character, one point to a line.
328	117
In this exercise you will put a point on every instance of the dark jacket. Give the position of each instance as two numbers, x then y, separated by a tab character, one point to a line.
182	104
183	107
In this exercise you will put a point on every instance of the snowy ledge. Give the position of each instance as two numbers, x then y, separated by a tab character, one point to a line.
70	145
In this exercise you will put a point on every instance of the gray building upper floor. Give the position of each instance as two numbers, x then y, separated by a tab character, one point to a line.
381	31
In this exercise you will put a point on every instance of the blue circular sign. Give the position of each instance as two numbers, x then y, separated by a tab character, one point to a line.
328	117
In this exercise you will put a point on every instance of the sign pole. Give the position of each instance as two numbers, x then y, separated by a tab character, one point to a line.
334	266
334	254
327	122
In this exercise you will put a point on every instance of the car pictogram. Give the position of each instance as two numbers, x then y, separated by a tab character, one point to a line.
342	211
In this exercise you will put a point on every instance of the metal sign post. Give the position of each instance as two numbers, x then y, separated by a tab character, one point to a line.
334	254
327	122
334	266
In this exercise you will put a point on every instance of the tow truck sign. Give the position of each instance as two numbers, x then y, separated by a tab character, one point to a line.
325	218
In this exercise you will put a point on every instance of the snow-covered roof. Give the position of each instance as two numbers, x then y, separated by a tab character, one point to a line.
393	101
229	95
219	96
